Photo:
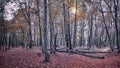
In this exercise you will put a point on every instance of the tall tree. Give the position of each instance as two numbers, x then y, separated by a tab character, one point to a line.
67	26
40	28
45	32
75	26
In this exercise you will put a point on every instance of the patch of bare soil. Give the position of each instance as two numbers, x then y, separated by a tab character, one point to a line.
22	58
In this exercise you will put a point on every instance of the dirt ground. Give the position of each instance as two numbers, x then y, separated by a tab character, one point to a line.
22	58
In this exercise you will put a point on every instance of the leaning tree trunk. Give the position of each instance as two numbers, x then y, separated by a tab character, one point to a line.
106	26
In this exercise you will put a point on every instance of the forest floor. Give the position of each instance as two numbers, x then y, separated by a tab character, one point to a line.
23	58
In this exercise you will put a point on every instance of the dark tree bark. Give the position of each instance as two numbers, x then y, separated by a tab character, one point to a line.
67	27
40	29
55	45
45	32
4	38
68	33
116	5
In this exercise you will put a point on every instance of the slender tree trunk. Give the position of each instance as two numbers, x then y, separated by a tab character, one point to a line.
116	2
45	32
68	33
4	28
65	25
52	40
40	29
55	45
75	27
90	32
30	33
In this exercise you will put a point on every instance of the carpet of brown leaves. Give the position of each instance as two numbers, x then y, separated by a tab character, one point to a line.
22	58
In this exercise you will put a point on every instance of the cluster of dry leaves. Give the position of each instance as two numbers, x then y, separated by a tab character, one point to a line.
22	58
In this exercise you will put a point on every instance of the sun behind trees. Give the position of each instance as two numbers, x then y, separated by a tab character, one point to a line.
83	27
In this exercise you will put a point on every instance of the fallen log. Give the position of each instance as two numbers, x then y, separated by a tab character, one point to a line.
93	52
86	55
61	51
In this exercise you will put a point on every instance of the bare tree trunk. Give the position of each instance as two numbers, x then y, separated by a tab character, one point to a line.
67	27
45	32
75	27
68	33
116	5
52	40
55	45
4	41
40	29
106	26
90	32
